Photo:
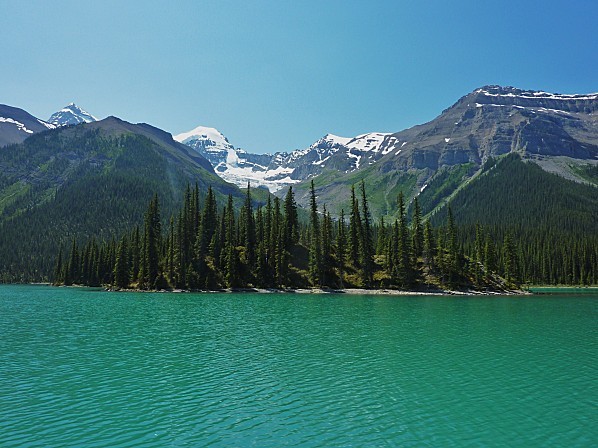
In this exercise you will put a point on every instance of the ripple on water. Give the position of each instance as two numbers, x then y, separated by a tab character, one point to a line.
89	368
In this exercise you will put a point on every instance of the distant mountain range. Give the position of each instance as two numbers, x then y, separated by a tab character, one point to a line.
16	124
493	156
553	130
277	171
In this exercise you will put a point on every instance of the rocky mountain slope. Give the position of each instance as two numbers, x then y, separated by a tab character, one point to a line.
557	132
16	125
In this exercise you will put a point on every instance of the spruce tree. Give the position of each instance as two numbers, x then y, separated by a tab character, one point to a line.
151	240
135	255
232	257
121	266
417	231
71	272
326	245
291	220
58	269
403	252
453	259
249	228
341	248
315	254
509	260
367	250
429	249
354	230
171	259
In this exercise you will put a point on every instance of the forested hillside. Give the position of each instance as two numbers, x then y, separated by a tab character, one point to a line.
212	247
86	180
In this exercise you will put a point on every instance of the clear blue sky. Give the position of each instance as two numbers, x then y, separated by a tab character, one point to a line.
277	75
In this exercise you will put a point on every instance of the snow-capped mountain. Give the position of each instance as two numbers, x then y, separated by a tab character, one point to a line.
16	125
488	122
278	170
208	141
557	132
234	164
71	114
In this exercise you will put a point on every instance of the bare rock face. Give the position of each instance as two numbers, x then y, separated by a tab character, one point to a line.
493	120
552	130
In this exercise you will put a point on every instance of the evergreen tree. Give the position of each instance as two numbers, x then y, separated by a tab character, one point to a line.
403	258
489	254
453	259
71	272
151	245
354	230
135	255
171	259
341	248
261	275
429	249
249	228
232	257
291	220
367	250
326	246
315	254
121	266
478	255
509	260
381	238
417	231
58	269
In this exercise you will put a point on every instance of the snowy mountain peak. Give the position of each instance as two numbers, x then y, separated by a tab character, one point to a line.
202	133
204	138
335	139
71	114
276	171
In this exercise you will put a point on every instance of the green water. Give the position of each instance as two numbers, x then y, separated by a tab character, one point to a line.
88	368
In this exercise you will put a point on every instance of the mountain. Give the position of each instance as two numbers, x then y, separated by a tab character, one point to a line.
93	179
557	132
277	171
71	114
16	125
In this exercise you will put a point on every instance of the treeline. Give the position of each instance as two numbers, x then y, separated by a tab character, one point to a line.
207	247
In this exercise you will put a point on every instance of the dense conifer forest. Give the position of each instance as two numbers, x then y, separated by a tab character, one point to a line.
207	245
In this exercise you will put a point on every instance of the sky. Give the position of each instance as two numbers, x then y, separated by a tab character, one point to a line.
278	75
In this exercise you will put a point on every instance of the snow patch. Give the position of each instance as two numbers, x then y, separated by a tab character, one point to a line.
46	124
20	126
356	157
367	142
541	95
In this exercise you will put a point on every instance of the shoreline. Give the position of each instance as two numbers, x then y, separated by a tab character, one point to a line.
323	291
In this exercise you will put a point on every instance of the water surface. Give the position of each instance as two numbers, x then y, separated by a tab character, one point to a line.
82	367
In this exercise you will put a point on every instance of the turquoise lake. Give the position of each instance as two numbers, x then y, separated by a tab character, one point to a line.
88	368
